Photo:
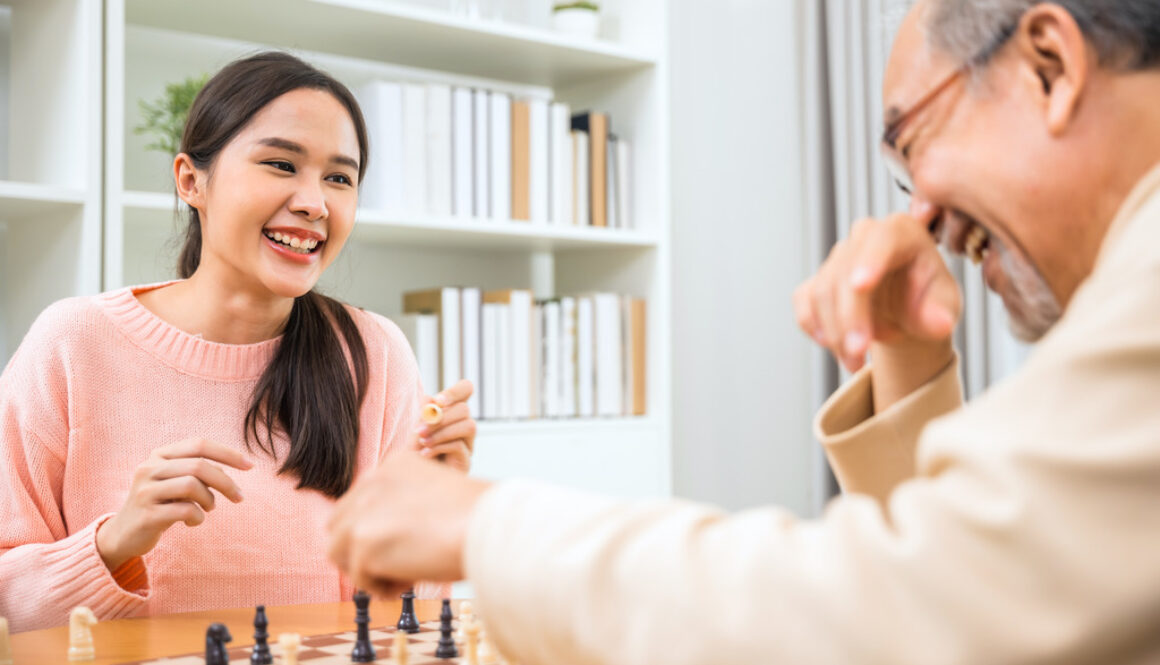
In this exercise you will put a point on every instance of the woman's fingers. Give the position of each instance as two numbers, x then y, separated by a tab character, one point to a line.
208	473
456	393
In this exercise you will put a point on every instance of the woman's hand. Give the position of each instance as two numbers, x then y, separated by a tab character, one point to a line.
172	486
452	439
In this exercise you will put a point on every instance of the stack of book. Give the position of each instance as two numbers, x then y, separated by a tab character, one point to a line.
439	150
567	357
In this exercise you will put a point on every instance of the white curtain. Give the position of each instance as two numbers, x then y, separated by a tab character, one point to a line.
845	45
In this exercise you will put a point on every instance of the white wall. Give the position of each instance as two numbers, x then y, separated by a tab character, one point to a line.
741	369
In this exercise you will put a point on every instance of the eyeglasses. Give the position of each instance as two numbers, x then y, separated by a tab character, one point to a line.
895	161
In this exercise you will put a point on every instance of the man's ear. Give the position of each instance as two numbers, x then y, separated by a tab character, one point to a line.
190	181
1053	50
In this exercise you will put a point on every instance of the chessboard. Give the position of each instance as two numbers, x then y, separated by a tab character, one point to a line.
335	648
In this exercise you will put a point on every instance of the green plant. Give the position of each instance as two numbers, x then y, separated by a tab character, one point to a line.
579	4
165	116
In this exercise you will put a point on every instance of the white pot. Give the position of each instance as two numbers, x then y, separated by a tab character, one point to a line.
577	22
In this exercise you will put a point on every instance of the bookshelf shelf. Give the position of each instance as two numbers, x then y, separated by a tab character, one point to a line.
455	233
398	33
21	199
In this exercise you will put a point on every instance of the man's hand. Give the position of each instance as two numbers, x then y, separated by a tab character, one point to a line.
407	521
886	290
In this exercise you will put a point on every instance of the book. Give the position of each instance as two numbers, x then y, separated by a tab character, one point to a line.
500	144
539	161
521	161
481	135
609	354
637	362
439	158
490	394
552	388
597	126
610	181
471	301
414	148
443	303
567	357
624	184
536	395
422	331
585	358
560	151
382	184
463	153
580	176
518	329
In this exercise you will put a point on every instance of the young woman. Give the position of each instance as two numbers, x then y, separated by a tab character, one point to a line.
124	416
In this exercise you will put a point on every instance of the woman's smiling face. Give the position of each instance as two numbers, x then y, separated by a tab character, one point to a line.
278	203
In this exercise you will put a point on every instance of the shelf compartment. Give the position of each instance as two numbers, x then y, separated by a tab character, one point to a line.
21	199
398	33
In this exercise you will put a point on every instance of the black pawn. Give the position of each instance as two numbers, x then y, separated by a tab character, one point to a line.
446	648
261	653
407	621
216	637
364	651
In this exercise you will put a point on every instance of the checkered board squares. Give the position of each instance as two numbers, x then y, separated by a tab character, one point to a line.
335	648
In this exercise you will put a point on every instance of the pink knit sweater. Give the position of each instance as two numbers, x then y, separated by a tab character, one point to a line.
96	385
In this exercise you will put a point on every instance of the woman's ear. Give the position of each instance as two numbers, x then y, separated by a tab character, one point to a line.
190	181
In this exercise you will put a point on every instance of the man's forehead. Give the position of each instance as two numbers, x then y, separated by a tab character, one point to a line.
914	66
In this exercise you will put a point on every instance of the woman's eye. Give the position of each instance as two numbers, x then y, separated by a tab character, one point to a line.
280	165
338	177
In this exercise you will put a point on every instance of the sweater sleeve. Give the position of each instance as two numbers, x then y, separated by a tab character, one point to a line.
871	453
47	566
1026	535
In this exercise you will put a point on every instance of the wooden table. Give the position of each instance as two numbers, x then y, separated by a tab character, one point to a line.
127	640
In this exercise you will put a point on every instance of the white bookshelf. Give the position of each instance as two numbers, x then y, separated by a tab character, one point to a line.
50	161
113	205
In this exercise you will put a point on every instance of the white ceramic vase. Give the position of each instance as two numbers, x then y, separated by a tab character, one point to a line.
577	22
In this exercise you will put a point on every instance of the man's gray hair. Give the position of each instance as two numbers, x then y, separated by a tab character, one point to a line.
1124	33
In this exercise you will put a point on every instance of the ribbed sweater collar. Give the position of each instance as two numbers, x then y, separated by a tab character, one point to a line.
185	352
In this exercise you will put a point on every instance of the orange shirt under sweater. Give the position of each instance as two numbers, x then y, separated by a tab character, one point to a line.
97	384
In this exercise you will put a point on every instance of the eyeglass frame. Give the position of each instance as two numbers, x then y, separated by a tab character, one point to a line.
895	163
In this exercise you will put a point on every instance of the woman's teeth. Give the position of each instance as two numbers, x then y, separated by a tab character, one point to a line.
295	244
976	244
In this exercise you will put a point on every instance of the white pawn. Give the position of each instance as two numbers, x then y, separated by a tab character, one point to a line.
472	634
80	634
466	616
290	642
401	655
5	645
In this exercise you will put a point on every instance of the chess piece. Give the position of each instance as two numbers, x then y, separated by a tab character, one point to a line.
431	414
216	638
364	651
407	621
290	643
488	654
471	630
466	616
446	647
401	655
5	645
80	634
260	655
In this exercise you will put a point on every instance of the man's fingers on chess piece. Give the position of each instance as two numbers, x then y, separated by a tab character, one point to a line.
173	485
404	522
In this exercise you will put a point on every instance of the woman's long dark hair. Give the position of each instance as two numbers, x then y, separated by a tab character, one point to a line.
308	390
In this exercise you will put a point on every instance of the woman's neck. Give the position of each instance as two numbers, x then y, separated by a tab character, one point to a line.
219	312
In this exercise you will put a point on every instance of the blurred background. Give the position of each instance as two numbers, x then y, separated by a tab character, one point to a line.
613	200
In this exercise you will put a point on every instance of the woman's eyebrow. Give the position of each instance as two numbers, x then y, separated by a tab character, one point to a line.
291	146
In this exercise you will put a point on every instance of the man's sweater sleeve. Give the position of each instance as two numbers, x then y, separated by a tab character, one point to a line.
872	453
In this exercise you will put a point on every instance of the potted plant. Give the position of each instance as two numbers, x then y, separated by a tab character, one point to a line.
165	117
581	18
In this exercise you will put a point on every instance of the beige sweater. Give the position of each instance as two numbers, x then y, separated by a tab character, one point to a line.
1022	528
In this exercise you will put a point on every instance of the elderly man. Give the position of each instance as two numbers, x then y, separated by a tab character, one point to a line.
1022	528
